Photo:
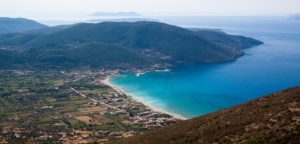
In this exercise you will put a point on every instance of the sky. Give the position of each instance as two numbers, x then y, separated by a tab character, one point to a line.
72	9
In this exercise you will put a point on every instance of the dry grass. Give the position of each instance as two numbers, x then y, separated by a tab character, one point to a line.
92	110
271	119
85	119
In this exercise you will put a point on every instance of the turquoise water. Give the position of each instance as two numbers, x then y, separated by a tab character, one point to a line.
196	90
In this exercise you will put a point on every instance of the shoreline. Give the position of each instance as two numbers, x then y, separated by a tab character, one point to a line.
107	82
139	73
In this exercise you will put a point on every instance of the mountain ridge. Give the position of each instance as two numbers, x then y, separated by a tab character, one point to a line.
155	43
13	25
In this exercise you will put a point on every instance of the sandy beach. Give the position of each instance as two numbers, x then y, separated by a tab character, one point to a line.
107	82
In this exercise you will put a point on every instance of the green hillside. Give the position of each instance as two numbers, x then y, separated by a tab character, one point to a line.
123	45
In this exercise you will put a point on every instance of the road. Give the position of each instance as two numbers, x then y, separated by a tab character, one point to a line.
94	100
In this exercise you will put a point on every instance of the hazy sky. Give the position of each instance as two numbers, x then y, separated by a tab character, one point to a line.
60	9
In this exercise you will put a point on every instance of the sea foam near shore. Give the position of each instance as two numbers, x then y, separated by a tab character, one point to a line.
146	102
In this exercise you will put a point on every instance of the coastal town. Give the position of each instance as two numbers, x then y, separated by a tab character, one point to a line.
77	106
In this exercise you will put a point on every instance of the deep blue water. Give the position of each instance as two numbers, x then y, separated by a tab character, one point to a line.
199	89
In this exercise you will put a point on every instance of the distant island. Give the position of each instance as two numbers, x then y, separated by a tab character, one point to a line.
116	14
119	20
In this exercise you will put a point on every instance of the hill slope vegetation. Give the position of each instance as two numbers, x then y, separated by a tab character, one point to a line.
271	119
123	44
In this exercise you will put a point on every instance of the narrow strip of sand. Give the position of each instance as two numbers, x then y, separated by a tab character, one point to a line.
107	82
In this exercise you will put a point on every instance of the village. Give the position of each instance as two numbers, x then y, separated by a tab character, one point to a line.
71	107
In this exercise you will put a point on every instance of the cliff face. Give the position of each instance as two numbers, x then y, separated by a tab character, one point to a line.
270	119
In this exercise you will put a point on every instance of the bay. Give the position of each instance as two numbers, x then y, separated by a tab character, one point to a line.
196	90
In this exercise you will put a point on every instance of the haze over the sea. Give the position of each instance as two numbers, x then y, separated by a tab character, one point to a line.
55	12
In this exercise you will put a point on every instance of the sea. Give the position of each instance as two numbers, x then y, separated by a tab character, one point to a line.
191	91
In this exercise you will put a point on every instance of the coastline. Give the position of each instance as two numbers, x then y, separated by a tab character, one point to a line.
107	82
139	73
